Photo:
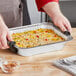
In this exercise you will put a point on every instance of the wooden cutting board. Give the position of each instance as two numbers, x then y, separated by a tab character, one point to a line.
40	65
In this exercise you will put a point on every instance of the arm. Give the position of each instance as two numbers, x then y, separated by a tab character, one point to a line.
41	3
4	34
53	10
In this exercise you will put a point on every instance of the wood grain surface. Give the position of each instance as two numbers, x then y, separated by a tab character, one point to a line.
41	65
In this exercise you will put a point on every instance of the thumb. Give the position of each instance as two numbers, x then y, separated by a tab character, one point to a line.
9	37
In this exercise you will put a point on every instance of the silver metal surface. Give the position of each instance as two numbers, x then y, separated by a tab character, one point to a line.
43	48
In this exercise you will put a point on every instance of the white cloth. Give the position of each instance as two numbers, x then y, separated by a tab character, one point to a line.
67	64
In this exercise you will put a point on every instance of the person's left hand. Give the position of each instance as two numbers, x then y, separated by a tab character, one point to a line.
62	22
53	10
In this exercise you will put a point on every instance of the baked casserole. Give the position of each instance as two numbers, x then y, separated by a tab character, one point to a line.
36	37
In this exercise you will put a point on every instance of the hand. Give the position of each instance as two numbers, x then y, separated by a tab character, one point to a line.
53	10
4	35
62	22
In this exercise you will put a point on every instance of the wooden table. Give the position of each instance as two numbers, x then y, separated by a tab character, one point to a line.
40	65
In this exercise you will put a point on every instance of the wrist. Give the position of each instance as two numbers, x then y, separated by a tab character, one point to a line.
2	23
56	15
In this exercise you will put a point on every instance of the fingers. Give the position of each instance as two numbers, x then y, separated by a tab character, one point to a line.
61	26
68	26
9	36
3	41
64	26
63	23
0	45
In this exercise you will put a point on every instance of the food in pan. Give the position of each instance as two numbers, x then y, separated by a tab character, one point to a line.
36	37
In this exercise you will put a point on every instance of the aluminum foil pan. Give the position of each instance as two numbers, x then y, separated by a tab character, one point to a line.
43	48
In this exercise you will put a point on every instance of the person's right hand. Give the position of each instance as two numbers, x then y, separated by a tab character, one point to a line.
4	35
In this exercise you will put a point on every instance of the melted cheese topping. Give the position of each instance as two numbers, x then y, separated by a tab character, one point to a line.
37	37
